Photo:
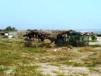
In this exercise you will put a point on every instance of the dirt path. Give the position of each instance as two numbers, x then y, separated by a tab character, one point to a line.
51	70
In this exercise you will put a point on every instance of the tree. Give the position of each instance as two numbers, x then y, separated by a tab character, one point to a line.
9	28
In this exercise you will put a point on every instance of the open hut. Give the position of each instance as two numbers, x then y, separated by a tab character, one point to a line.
72	37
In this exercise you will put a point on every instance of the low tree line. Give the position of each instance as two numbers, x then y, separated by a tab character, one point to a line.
9	29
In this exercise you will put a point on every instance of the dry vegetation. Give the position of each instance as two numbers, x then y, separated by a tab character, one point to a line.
16	60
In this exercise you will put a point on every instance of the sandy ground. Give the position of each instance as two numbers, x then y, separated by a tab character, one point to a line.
68	70
64	70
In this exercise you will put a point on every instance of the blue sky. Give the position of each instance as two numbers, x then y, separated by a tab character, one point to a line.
51	14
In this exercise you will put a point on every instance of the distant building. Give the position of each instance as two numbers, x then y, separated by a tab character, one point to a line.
99	35
2	33
8	34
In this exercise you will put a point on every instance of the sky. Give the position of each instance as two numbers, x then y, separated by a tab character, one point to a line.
50	14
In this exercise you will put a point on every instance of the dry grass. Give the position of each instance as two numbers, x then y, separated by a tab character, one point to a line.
14	54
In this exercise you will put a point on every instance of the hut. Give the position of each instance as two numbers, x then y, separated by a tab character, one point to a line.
2	33
72	37
8	34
